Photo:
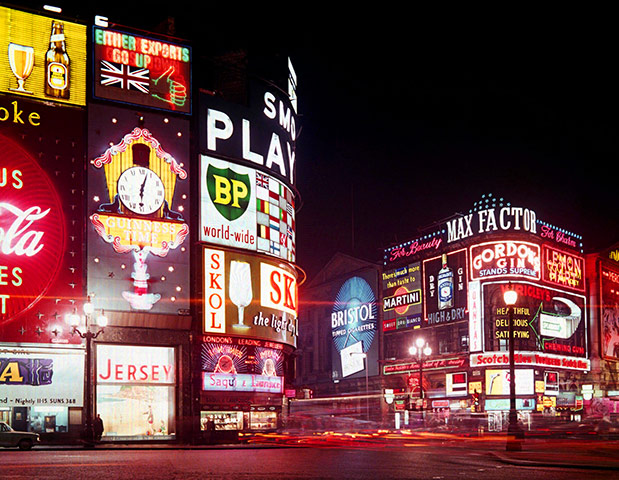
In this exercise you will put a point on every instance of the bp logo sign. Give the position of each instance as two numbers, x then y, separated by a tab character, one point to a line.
229	191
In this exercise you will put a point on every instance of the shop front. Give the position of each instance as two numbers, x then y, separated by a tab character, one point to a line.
242	385
136	392
42	390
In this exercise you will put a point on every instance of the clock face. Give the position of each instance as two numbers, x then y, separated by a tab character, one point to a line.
141	190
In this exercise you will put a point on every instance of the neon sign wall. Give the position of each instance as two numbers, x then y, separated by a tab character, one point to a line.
563	269
135	69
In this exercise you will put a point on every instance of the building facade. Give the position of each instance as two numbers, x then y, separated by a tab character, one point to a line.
42	113
447	288
124	199
247	326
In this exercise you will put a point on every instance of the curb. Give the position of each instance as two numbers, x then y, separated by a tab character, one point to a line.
536	463
158	447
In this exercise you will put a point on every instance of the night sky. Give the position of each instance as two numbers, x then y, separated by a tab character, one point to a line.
408	118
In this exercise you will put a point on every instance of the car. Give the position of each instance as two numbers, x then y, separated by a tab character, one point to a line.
14	438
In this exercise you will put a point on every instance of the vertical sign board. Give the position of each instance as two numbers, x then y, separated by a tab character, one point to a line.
402	297
139	211
132	68
609	315
245	208
41	220
354	327
476	331
250	296
445	288
42	58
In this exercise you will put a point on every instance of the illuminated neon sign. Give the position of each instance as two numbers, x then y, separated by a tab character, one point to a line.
42	58
563	269
32	231
505	258
135	69
242	383
491	220
247	296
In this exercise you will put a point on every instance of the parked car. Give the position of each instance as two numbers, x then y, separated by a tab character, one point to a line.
14	438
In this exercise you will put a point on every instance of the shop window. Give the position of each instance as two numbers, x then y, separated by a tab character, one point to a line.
221	420
136	411
49	419
263	420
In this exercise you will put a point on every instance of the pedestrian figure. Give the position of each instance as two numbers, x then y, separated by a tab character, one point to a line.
98	427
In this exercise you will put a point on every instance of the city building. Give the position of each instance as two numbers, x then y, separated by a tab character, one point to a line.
339	348
42	113
244	264
148	238
600	389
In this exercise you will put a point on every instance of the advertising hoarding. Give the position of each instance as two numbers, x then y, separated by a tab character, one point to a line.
136	391
262	135
402	297
42	58
233	364
354	326
609	315
250	296
41	219
139	210
32	377
563	269
244	208
505	258
133	68
535	359
130	364
545	319
497	382
445	288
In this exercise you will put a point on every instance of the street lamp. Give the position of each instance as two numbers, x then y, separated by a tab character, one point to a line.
74	320
420	350
367	392
510	296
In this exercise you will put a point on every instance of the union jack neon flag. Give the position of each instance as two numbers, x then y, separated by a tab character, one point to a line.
125	76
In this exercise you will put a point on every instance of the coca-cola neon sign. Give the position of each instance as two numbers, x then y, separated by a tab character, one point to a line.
32	231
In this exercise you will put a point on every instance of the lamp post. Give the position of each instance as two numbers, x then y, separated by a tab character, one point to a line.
75	321
420	350
510	296
367	392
